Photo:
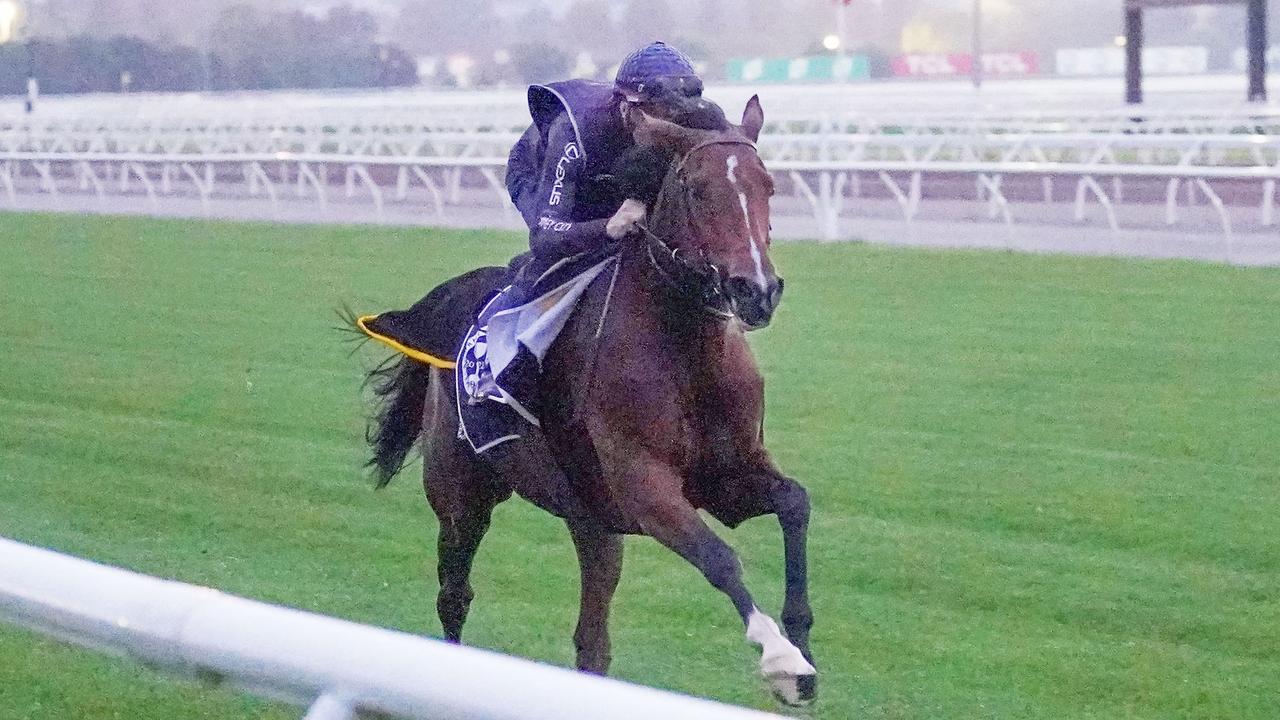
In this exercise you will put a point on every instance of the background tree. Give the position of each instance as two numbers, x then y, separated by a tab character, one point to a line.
251	50
644	21
538	25
539	62
445	27
590	25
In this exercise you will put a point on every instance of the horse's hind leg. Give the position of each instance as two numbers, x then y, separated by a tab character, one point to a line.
460	537
600	561
463	496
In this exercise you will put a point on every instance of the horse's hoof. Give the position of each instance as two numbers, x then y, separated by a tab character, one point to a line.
795	690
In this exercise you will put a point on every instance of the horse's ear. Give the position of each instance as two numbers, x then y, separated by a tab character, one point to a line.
752	119
661	134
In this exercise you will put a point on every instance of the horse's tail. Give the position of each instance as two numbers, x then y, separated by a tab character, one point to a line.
400	386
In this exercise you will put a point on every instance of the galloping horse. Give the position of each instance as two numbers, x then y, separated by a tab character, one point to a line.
653	409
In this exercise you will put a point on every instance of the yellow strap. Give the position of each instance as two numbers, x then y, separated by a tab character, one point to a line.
405	349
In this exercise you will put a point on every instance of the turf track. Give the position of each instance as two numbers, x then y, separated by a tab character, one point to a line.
1045	487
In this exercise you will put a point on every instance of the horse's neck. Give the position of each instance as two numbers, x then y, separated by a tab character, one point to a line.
679	323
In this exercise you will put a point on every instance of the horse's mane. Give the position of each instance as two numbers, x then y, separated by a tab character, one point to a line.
699	114
641	169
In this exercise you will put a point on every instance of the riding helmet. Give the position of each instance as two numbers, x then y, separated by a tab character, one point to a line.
657	71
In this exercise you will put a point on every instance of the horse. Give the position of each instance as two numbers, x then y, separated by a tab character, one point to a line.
653	409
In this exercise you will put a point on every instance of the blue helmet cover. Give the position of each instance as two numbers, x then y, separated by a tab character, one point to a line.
656	70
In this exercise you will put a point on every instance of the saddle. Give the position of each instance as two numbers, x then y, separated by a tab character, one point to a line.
500	361
495	342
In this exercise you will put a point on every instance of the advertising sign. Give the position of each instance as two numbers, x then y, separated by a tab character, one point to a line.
1240	59
820	68
1003	64
1011	64
934	65
1109	61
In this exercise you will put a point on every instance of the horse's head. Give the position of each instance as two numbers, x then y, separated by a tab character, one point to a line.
713	209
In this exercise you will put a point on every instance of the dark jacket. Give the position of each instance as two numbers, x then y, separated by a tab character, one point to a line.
557	173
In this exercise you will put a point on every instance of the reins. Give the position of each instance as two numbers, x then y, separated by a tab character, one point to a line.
686	278
700	278
703	279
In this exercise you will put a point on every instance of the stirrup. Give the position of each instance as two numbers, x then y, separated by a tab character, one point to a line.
486	389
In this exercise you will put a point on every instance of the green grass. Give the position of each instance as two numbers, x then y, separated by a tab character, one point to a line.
1044	487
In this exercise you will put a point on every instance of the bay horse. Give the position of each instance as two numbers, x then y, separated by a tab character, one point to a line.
653	409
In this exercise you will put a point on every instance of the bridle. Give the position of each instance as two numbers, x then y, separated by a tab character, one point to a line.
695	278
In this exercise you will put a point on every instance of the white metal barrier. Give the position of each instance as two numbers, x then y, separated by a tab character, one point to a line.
268	174
827	185
834	177
338	669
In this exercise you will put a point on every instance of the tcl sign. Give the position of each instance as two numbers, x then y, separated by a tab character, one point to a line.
932	65
1014	63
1010	64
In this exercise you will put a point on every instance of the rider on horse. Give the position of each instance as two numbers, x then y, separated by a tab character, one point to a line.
559	173
582	184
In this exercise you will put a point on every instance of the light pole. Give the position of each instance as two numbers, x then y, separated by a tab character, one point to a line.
841	27
977	44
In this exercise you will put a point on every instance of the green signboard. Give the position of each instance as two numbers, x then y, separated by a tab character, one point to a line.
818	68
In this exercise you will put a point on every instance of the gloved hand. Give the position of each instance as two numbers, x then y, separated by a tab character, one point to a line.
626	220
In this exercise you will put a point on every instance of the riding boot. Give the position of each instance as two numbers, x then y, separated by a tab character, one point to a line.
526	276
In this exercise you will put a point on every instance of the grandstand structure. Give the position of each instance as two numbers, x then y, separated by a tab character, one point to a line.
1255	43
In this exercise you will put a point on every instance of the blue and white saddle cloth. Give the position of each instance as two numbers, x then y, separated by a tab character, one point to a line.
501	356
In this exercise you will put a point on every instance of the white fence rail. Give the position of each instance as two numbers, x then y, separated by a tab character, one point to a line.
1097	174
338	669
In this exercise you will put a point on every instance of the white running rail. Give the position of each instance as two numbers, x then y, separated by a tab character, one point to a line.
828	185
338	669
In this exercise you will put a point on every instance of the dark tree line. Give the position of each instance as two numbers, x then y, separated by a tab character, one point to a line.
247	51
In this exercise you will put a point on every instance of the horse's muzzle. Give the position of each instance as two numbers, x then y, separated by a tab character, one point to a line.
752	304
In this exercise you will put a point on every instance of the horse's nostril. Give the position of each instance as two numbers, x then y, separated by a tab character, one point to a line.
742	290
775	294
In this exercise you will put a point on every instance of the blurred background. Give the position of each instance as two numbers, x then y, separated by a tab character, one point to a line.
1026	367
79	46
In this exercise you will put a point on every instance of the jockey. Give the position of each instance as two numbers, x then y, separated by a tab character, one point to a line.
558	173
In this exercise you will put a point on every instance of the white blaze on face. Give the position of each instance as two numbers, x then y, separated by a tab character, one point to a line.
779	659
732	163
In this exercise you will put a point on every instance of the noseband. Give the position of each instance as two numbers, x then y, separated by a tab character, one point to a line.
695	278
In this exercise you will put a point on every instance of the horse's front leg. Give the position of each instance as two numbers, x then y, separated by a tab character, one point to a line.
600	562
790	503
654	499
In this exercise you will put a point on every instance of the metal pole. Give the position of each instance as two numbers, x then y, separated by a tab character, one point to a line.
1256	33
1133	54
878	27
33	85
841	27
977	44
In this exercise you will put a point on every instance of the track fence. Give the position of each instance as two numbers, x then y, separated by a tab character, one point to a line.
339	670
